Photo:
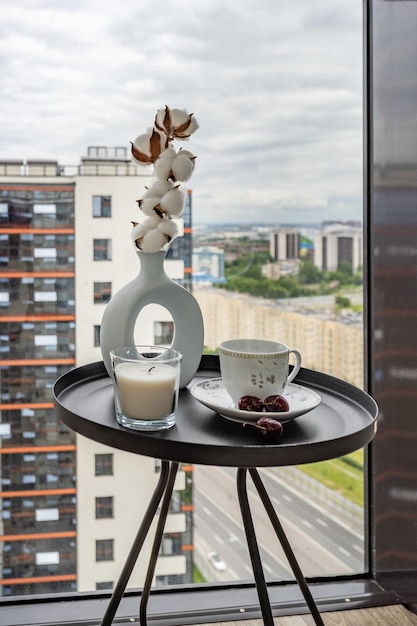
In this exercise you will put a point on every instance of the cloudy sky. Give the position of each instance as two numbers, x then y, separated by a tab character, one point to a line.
275	86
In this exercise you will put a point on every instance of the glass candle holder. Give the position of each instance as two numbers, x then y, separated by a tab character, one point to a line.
146	386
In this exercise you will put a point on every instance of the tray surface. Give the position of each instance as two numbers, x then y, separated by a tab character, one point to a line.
344	421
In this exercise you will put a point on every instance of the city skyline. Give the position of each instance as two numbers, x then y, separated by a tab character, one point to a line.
290	148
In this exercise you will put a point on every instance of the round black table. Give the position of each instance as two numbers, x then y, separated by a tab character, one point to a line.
344	422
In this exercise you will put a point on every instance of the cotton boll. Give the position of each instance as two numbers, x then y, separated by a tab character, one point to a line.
148	205
178	117
173	202
163	120
158	189
140	230
182	167
153	241
162	167
168	152
175	123
187	153
183	123
147	147
169	228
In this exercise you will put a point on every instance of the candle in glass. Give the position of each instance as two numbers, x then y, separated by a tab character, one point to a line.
146	386
146	392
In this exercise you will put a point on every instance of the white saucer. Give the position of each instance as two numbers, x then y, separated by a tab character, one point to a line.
212	393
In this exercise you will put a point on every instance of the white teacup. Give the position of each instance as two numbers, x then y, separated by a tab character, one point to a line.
256	367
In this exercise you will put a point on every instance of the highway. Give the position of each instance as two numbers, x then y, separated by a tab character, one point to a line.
323	544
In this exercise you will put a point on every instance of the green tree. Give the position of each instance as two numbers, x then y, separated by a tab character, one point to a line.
342	302
309	274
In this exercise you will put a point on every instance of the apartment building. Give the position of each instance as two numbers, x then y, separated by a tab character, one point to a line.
328	343
285	244
335	245
208	264
64	250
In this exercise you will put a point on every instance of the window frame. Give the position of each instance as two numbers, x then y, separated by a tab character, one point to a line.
104	551
104	507
103	464
104	255
237	600
102	291
102	206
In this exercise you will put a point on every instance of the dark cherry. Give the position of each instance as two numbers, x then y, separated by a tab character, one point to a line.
270	427
250	403
276	404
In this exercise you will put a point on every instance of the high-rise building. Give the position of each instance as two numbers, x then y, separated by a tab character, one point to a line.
64	249
285	244
208	264
333	246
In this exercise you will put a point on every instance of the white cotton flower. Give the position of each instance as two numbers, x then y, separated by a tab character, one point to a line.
176	166
169	228
163	120
140	229
173	202
149	206
182	167
147	147
176	124
158	189
153	241
162	167
163	200
183	123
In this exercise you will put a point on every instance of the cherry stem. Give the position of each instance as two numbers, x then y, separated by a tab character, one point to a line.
254	425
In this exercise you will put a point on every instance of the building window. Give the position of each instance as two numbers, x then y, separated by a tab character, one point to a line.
103	586
101	206
102	292
104	507
102	249
163	333
104	549
104	464
96	335
47	558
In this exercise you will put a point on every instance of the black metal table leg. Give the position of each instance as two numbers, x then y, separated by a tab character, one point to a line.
157	543
286	547
137	545
253	548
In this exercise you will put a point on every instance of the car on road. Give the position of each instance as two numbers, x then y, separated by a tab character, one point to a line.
216	561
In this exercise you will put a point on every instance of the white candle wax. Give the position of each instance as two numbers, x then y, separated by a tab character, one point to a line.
145	391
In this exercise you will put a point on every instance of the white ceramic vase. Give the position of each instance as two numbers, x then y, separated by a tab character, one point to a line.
153	286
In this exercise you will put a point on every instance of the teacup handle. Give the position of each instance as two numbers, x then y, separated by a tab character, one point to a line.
296	367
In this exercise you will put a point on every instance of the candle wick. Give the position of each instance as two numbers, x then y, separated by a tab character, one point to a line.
152	368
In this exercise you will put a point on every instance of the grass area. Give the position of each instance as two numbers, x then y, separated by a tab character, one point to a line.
197	577
344	475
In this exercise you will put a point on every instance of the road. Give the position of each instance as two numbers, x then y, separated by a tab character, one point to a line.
322	543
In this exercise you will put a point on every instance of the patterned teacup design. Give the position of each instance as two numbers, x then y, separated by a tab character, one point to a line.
256	367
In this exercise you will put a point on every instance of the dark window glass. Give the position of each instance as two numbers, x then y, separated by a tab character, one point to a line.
104	585
104	550
96	335
101	206
104	507
102	292
102	249
104	464
163	333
